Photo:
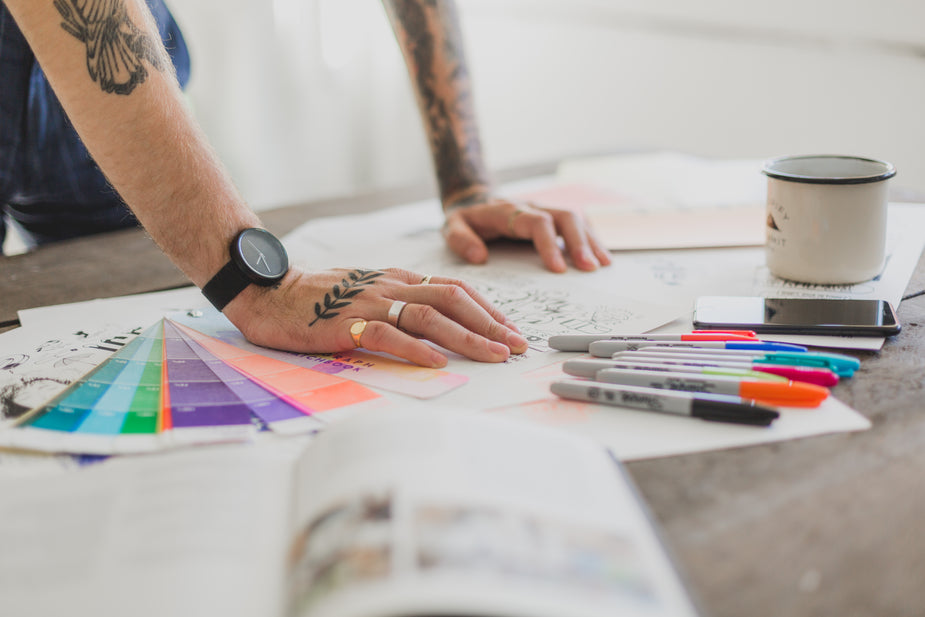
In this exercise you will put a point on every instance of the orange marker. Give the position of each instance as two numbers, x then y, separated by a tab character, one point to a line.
777	393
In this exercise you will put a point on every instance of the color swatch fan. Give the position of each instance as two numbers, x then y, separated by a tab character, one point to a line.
172	386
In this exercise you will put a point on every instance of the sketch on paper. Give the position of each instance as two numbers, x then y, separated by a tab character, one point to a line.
35	373
541	313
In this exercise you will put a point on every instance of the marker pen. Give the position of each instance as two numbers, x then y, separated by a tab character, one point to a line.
605	349
817	375
580	342
843	365
748	333
713	407
588	368
778	393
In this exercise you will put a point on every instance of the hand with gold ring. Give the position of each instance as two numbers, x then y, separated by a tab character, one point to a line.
393	311
472	221
357	329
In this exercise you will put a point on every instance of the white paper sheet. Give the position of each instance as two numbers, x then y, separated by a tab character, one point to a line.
633	434
191	532
37	363
409	236
667	200
138	309
640	291
672	180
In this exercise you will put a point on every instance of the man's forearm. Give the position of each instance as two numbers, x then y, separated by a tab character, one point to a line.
108	68
429	35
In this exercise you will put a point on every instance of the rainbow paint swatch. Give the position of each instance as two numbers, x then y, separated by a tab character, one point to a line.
172	386
369	369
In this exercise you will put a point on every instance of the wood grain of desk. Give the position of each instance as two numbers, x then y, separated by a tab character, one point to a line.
829	525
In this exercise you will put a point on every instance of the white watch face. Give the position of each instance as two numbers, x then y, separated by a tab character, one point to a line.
262	254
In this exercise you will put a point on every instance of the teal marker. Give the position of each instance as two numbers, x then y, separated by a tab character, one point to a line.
840	364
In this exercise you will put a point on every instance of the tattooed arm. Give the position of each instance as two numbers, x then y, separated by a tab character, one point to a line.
430	39
111	73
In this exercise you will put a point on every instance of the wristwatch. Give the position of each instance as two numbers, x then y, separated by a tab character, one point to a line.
257	257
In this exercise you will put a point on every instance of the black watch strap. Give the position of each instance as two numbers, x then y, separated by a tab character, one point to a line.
225	286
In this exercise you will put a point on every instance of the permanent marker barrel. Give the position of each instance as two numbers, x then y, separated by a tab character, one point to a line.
778	393
748	333
713	407
843	365
589	367
605	349
580	342
818	376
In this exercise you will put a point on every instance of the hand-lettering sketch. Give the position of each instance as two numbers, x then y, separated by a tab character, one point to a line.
541	313
34	374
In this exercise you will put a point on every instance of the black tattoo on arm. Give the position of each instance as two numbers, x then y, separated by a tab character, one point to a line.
340	295
428	32
117	50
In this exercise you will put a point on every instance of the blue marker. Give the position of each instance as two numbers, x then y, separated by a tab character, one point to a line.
605	349
841	365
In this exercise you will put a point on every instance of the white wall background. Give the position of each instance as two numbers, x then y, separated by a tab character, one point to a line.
309	98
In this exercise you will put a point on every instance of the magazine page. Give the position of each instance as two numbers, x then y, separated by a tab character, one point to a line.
449	513
194	532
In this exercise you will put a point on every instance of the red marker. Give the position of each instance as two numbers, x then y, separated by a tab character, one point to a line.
581	342
751	334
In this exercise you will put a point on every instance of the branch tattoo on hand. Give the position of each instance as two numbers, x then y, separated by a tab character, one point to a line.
339	296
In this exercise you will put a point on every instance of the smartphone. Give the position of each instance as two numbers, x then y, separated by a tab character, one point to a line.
796	315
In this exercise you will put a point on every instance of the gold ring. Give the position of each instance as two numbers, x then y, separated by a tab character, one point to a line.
425	280
395	312
356	331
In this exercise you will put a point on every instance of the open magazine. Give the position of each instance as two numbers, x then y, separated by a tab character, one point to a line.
467	514
384	514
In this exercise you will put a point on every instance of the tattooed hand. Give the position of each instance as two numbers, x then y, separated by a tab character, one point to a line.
431	41
471	221
313	312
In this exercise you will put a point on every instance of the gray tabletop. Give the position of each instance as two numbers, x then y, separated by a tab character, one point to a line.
830	525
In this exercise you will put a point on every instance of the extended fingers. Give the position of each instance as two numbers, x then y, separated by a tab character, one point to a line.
380	336
582	246
467	228
448	312
544	225
444	285
465	307
464	241
540	227
427	322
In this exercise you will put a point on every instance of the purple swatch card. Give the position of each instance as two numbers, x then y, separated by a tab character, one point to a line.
198	398
278	414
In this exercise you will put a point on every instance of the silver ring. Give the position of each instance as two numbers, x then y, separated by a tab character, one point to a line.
425	280
510	220
395	312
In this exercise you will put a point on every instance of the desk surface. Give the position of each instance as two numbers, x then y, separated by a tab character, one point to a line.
827	525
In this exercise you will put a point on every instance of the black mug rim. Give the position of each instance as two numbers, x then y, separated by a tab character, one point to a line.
768	170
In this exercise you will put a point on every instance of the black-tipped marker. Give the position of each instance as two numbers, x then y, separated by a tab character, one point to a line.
712	407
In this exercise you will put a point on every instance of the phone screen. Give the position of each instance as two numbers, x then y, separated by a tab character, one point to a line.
797	315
